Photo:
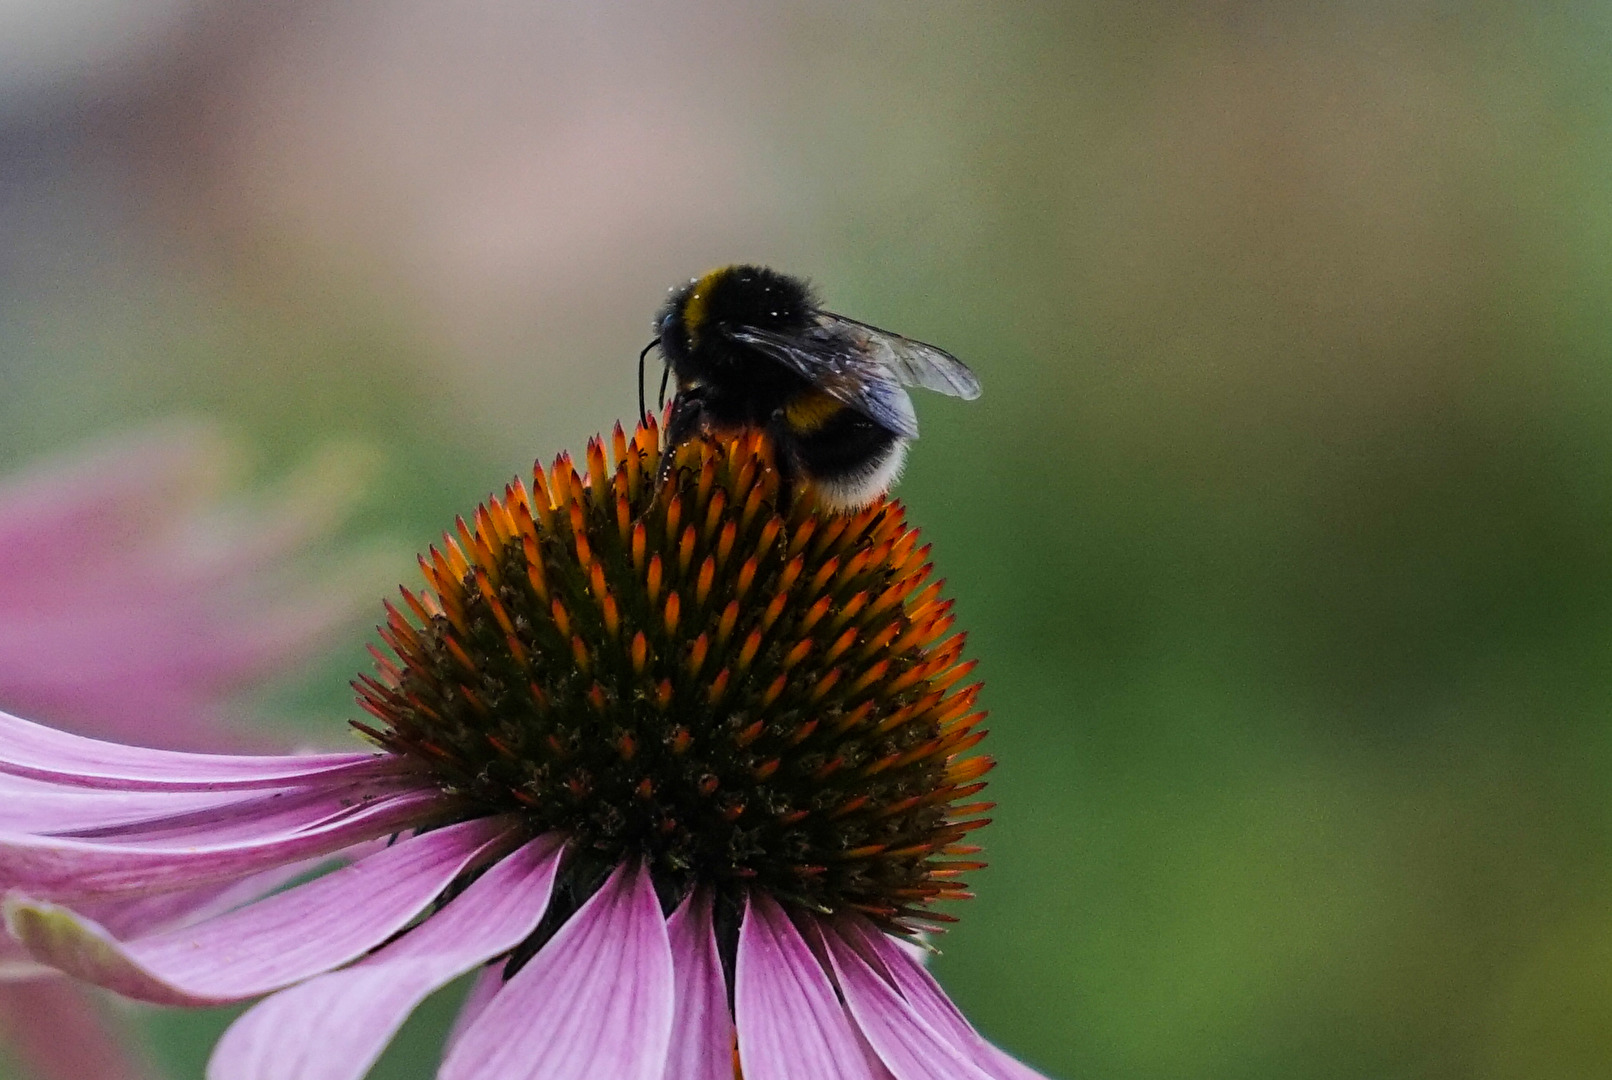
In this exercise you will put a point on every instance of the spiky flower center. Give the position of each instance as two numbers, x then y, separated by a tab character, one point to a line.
742	696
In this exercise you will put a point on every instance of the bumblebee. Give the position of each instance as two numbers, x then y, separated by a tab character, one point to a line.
750	348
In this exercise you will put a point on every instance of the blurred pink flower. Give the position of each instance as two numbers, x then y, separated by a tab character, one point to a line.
136	601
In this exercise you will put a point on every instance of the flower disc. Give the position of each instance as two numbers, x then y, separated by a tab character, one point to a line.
742	697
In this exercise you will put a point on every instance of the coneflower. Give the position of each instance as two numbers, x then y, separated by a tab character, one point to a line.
682	774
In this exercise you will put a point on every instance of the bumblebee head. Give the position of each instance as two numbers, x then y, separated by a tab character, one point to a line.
730	295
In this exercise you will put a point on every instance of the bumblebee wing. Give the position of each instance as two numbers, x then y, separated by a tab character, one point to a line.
912	362
841	367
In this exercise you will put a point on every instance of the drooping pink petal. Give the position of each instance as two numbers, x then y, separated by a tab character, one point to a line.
905	1043
56	868
929	1001
483	988
51	809
57	1032
595	1002
253	815
1005	1066
126	918
334	1027
140	916
17	966
791	1024
702	1029
33	806
32	750
264	946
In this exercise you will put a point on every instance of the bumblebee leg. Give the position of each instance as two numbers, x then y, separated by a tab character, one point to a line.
783	459
686	420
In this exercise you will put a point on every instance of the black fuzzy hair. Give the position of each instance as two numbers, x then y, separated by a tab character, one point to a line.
733	295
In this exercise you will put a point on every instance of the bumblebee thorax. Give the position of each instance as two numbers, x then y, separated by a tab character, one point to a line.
730	295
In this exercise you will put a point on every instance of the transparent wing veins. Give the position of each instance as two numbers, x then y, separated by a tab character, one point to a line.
865	367
914	363
842	371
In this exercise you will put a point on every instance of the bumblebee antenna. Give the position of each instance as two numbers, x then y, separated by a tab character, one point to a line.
642	408
666	373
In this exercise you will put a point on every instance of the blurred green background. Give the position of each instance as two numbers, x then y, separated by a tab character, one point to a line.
1282	530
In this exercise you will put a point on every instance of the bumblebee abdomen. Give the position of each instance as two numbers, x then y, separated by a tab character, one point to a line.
842	445
849	460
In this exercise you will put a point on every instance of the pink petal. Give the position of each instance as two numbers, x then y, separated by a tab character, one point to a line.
702	1029
53	809
28	749
125	918
908	1046
259	948
791	1024
252	815
17	966
483	988
60	868
31	806
334	1027
143	916
594	1003
59	1032
1005	1066
930	1002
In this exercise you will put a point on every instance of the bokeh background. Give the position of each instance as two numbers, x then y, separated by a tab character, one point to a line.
1283	529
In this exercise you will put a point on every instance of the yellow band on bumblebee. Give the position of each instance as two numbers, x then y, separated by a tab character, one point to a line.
694	306
808	412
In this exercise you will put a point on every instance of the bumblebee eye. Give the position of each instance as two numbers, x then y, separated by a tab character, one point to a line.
667	323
